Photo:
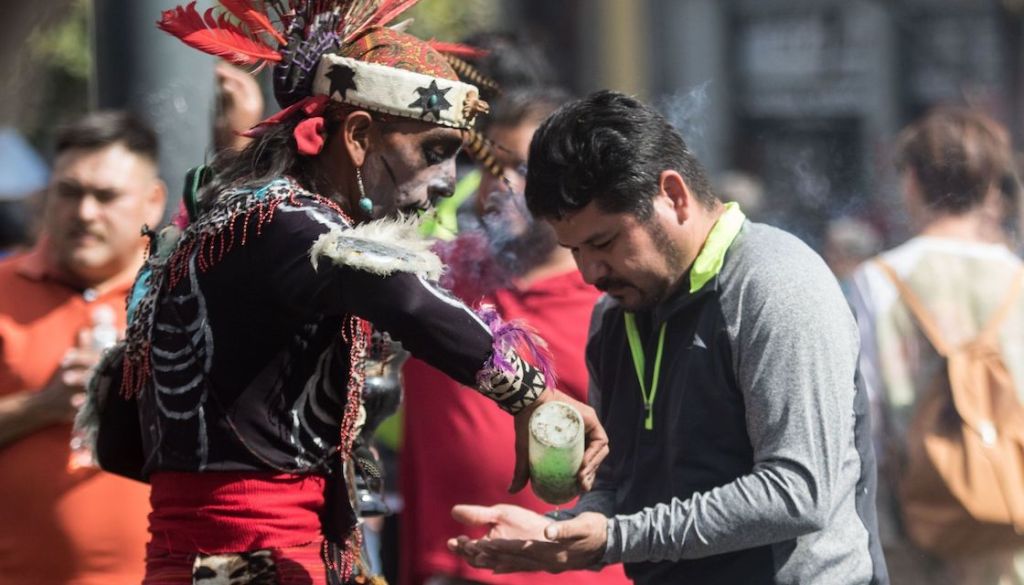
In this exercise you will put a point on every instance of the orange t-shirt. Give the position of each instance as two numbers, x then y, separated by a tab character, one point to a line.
80	527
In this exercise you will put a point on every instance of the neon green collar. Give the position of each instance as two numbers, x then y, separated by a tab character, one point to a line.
636	350
705	267
709	262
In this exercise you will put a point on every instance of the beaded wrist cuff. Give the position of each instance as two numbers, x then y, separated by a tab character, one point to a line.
513	388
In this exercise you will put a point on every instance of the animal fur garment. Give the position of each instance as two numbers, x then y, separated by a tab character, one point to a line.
382	247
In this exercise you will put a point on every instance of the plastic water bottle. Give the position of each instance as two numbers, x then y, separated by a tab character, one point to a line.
104	328
556	452
103	336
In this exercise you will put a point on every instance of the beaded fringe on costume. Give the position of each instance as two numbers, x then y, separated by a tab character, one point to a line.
210	239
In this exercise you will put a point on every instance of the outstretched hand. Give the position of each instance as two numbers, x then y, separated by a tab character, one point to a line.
522	540
594	435
503	521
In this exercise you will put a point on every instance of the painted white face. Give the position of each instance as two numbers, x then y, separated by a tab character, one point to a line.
409	166
634	261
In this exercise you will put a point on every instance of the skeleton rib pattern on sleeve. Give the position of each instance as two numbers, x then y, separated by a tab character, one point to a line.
386	288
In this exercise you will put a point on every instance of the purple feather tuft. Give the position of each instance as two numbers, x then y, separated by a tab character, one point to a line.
517	336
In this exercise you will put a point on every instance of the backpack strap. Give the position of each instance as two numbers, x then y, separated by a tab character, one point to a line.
927	323
924	320
991	329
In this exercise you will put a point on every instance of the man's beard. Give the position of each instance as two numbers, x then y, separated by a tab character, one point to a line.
658	289
647	297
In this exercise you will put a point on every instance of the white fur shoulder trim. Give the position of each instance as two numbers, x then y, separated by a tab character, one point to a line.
382	247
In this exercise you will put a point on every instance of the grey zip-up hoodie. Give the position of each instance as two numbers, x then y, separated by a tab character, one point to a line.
759	466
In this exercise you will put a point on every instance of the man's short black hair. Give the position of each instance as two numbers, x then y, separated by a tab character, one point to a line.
609	148
101	129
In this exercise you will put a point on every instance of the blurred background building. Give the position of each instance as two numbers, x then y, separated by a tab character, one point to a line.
801	96
798	98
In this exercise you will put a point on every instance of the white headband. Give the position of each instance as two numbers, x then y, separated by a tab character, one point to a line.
396	91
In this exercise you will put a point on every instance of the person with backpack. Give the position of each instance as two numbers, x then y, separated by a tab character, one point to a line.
942	327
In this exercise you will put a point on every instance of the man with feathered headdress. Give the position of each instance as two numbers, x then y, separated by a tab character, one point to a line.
251	324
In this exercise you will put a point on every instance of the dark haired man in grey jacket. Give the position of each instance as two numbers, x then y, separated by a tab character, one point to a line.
723	363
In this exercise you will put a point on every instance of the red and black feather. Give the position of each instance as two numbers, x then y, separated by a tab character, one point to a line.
216	36
387	11
460	50
255	18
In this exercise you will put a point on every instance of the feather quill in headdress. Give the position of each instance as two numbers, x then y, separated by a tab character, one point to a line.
387	11
216	36
257	20
241	44
458	49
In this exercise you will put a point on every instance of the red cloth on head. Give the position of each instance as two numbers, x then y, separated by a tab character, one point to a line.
311	106
309	136
386	46
383	46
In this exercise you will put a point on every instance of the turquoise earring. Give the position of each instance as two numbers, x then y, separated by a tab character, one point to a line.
364	202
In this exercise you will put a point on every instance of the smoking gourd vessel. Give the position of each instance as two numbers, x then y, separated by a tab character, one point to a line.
556	452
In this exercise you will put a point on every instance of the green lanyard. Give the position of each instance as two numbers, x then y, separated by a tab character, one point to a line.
636	348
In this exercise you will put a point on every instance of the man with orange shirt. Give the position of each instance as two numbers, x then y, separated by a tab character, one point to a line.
60	522
463	455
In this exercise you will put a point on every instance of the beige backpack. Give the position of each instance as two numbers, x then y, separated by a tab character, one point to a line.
961	484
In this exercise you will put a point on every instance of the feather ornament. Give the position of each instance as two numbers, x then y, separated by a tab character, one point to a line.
458	49
355	16
216	36
519	337
481	149
382	247
256	20
299	22
469	73
385	12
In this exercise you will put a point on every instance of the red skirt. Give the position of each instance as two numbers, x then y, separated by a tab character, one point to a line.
261	525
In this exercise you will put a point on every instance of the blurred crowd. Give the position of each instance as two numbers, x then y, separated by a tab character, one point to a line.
69	234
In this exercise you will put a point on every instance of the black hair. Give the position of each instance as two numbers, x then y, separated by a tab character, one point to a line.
272	155
101	129
526	104
609	148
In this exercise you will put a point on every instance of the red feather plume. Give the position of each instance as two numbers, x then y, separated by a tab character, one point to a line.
216	36
388	11
458	49
257	21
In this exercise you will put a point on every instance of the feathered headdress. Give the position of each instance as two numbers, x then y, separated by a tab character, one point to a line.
333	50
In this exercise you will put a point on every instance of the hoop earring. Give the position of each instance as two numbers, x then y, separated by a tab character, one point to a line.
364	202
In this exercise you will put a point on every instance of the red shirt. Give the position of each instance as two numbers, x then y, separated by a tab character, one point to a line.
84	527
458	446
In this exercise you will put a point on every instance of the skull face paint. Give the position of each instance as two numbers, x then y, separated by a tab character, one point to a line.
410	166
